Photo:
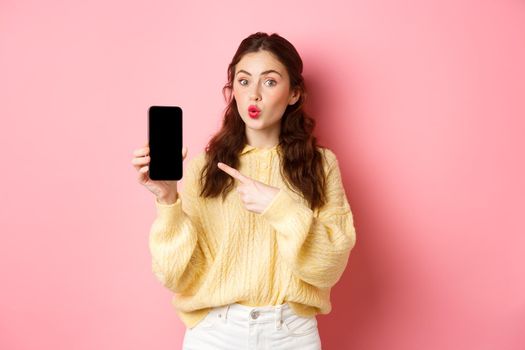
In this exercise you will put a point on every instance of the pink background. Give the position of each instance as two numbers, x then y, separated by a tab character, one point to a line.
422	102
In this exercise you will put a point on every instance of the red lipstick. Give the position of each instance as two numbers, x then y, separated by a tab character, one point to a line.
253	111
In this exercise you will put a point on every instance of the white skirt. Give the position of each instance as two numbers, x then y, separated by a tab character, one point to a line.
239	327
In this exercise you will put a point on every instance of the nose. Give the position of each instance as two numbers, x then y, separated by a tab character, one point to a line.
254	94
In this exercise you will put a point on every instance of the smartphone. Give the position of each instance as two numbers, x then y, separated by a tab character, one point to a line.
165	142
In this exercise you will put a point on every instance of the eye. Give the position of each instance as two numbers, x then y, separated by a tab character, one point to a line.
241	80
273	82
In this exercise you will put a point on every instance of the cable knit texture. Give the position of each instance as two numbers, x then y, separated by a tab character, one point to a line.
212	253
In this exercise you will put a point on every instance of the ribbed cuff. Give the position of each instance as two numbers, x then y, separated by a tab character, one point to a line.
169	211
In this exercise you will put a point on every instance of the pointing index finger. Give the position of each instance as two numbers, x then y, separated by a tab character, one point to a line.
233	172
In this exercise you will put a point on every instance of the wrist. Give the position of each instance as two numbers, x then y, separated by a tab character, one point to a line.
168	199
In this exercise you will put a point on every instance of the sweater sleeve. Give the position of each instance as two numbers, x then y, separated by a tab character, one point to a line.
316	247
174	240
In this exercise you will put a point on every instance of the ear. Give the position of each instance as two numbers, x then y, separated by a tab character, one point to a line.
294	97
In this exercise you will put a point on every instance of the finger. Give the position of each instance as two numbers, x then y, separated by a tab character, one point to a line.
143	175
233	172
184	152
140	161
141	152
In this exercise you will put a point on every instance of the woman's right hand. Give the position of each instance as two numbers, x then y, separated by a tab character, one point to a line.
166	191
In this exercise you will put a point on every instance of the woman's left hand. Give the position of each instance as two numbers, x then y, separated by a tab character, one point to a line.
255	194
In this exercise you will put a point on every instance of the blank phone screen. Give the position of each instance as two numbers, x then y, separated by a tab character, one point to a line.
165	142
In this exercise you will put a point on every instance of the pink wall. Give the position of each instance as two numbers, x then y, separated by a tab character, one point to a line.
422	101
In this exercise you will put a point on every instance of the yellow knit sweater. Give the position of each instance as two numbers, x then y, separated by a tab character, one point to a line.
210	253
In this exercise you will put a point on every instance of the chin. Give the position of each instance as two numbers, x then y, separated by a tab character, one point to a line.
249	120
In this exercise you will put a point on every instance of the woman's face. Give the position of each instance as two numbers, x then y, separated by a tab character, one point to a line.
261	80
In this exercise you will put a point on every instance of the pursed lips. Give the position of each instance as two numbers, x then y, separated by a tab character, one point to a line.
253	109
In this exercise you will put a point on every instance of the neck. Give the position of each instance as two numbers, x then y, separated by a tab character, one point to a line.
263	139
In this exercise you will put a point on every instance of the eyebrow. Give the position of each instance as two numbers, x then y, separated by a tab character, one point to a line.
265	72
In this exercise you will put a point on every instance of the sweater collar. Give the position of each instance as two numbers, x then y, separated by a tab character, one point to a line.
247	148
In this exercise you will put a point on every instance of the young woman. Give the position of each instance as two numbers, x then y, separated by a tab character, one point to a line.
251	268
